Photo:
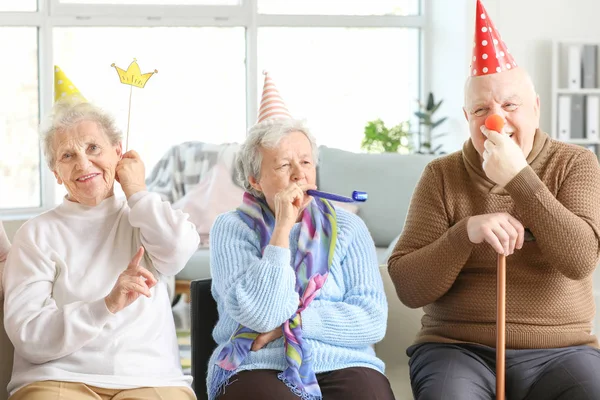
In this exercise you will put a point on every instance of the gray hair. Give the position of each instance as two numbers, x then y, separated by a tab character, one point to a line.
66	114
267	134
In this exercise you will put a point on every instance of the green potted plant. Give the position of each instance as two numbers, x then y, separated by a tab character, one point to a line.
425	134
379	138
400	139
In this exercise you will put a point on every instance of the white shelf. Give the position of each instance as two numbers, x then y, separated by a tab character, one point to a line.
575	41
559	88
578	91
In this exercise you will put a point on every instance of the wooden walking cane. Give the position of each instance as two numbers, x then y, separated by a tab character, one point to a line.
501	327
495	123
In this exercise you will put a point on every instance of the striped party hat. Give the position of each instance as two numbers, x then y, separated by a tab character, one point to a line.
271	104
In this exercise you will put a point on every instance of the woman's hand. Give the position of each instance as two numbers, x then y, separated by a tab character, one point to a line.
130	173
288	203
265	338
133	282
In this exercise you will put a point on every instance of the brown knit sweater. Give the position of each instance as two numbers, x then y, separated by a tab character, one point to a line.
549	297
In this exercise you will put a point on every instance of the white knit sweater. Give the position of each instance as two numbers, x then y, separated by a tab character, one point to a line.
61	266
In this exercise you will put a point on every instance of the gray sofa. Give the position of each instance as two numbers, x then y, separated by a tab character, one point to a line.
389	180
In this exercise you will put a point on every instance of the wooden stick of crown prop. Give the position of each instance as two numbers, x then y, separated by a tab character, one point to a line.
495	123
132	77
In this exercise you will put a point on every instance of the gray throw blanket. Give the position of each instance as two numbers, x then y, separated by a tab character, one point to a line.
183	167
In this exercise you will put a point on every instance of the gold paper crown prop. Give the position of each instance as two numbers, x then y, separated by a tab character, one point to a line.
132	77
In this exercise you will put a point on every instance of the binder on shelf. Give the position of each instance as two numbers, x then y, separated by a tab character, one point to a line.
564	118
590	66
574	67
592	117
577	116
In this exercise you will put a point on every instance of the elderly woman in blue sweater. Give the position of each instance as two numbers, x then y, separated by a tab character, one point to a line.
296	279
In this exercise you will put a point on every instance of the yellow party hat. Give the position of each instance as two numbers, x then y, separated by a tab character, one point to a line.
63	86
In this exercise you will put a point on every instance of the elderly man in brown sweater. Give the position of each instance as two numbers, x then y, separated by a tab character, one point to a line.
473	204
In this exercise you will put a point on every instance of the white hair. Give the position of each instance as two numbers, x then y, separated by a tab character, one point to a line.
267	134
65	115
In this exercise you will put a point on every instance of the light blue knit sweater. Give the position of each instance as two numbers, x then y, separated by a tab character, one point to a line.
343	322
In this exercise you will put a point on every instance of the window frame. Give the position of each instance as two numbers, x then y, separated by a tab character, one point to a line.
51	14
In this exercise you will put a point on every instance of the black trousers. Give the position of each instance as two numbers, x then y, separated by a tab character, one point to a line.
450	371
344	384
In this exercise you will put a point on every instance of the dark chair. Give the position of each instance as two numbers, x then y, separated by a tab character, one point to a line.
204	317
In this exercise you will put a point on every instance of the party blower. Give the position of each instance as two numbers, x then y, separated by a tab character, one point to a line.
495	123
357	196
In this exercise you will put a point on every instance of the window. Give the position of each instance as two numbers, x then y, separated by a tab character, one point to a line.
18	5
337	7
19	154
155	2
198	94
339	64
361	74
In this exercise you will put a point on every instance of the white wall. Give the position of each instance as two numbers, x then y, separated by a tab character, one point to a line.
446	64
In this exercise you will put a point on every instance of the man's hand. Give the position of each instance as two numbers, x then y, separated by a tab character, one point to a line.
503	159
265	338
130	173
501	230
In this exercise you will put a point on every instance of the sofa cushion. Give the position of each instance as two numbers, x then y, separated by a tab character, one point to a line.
215	194
403	325
389	179
382	255
198	267
399	377
385	255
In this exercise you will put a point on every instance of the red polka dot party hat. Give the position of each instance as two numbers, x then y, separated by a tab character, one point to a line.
490	54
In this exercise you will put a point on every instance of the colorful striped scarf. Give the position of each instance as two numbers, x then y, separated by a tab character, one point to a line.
316	244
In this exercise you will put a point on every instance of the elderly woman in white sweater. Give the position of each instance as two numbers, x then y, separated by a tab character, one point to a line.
86	302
